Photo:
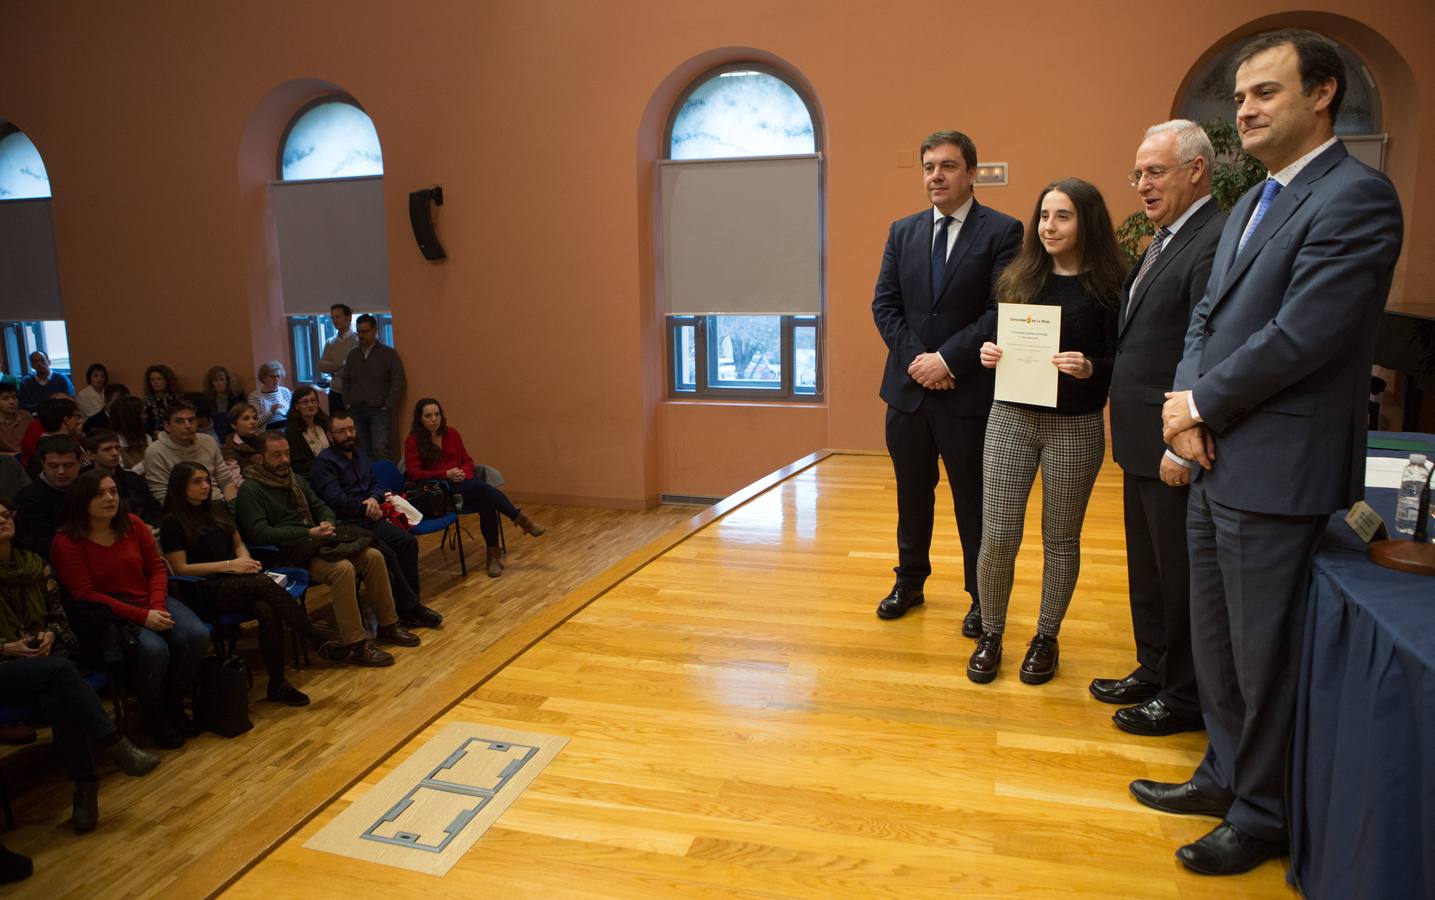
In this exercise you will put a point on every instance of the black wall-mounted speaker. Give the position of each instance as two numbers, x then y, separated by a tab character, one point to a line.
421	218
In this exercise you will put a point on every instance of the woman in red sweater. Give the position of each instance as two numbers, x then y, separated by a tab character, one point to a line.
102	554
434	451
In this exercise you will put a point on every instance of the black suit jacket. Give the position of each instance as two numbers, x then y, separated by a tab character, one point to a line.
957	321
1151	336
1279	349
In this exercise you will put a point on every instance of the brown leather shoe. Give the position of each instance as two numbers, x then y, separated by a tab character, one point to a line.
986	659
530	527
399	635
495	562
1040	663
364	653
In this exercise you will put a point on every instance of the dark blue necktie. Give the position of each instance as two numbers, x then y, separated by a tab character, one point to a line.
939	255
1268	194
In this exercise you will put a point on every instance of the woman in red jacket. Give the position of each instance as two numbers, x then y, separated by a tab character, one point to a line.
434	451
102	554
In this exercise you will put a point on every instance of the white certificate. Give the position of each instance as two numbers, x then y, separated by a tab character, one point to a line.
1029	335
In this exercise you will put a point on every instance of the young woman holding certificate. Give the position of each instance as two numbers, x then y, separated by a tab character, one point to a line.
1069	259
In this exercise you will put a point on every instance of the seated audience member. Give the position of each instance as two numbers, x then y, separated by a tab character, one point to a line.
160	388
307	428
40	506
104	555
112	392
56	415
203	414
13	478
199	538
434	451
91	398
43	383
37	650
104	447
241	449
14	422
181	442
127	419
276	506
223	391
271	399
344	479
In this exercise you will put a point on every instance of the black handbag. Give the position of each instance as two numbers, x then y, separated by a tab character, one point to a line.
429	499
343	543
221	696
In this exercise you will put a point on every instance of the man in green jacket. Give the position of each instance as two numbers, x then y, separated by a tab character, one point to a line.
277	506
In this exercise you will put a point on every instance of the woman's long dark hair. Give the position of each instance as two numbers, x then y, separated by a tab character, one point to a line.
194	519
1100	263
321	418
171	384
77	506
429	446
127	420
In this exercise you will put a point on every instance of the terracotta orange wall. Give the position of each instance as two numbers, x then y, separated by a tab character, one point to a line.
157	122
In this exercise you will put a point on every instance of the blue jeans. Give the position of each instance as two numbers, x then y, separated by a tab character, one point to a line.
167	661
373	426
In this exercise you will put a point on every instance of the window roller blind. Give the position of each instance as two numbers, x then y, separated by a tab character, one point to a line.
332	246
742	236
29	271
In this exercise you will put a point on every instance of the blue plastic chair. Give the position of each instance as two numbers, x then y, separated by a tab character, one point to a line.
392	480
224	630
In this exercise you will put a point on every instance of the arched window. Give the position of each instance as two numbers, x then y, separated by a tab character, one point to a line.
22	172
742	232
328	207
1208	97
31	315
332	138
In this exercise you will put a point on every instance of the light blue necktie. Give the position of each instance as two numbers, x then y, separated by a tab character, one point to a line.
1268	194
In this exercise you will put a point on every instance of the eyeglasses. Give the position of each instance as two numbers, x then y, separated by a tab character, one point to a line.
1155	173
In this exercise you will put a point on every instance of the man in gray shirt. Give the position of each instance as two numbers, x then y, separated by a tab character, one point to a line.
336	351
373	387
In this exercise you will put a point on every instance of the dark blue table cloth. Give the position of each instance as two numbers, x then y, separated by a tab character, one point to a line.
1363	771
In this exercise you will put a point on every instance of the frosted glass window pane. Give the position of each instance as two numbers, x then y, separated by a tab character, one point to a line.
742	114
57	345
332	140
22	172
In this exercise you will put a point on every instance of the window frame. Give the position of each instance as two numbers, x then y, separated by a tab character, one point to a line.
705	343
294	120
21	337
705	326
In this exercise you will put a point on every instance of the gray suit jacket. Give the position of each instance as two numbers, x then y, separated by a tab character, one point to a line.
1279	349
1151	337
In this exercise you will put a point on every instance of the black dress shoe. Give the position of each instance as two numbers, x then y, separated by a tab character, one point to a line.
1128	690
14	867
1184	799
972	624
1155	719
1227	850
419	616
986	659
896	604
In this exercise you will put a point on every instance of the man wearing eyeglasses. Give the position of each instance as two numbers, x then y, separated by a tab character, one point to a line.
1173	178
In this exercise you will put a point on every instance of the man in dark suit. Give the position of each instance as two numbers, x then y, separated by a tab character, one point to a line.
1271	400
1173	177
932	305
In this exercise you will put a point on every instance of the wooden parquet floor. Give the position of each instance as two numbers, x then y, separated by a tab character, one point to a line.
215	805
742	725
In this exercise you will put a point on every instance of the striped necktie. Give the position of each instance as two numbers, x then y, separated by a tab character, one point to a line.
1268	195
1158	243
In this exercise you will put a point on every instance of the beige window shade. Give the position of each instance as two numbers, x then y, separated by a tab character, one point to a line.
29	272
742	236
332	246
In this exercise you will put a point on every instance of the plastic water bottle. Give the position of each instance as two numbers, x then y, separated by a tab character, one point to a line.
1412	482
